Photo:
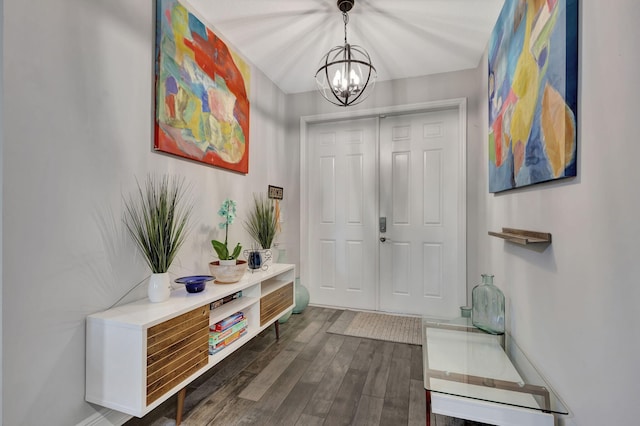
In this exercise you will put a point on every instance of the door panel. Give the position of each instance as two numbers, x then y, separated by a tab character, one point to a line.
432	187
343	213
419	189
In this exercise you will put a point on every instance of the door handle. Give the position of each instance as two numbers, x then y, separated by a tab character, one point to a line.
384	239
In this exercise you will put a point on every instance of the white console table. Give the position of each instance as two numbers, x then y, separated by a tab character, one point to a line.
141	353
473	375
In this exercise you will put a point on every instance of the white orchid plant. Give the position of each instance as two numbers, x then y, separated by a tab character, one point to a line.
228	213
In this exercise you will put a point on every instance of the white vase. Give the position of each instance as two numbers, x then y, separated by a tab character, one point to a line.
159	288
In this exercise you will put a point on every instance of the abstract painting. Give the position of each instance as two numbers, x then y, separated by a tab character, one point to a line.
202	104
533	93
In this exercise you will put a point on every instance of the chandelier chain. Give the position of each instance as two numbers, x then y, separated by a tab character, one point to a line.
345	18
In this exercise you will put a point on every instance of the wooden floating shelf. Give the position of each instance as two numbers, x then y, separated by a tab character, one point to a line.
523	237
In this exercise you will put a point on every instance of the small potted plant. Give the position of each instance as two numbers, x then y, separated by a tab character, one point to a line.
228	269
157	221
262	226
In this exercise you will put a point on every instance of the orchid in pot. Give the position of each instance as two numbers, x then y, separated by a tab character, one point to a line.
228	213
228	269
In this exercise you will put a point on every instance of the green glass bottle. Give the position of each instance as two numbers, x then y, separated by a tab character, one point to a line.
487	306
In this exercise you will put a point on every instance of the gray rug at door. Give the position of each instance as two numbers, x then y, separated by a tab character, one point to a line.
372	325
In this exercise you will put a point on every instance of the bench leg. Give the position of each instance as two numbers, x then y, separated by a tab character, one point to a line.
180	405
277	325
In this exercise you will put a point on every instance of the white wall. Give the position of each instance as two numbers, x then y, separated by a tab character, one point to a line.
573	307
78	130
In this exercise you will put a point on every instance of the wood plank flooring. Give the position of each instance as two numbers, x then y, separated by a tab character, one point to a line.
308	377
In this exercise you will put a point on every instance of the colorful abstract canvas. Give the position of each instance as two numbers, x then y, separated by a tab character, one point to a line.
202	104
533	93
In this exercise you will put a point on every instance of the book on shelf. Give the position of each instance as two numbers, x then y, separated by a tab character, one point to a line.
227	322
226	299
213	349
218	336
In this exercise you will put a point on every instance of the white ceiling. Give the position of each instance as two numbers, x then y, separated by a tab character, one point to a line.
405	38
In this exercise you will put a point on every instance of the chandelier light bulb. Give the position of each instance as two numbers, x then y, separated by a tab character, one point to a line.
353	77
337	81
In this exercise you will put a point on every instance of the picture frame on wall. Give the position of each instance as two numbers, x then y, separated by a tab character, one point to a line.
275	192
202	92
533	93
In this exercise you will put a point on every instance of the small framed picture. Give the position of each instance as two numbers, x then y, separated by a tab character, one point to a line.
275	192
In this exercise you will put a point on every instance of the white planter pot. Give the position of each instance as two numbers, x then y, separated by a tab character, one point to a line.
227	274
159	288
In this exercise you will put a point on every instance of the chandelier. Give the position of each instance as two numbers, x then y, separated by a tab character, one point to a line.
346	72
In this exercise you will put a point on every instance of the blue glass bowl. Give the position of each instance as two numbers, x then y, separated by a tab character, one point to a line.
194	283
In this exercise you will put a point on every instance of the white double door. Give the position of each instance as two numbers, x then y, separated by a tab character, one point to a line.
400	172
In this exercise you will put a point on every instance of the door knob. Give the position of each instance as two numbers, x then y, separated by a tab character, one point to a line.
383	239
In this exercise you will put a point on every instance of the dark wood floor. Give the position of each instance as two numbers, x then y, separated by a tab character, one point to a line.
308	377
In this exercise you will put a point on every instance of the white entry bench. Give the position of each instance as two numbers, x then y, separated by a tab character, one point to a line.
472	375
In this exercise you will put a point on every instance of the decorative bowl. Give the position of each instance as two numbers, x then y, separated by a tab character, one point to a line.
227	274
194	283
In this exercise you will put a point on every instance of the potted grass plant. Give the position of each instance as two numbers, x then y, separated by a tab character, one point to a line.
262	226
157	218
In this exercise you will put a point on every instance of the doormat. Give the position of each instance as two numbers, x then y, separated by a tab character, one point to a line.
373	325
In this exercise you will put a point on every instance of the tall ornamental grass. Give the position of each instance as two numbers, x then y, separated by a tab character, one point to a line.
262	223
157	218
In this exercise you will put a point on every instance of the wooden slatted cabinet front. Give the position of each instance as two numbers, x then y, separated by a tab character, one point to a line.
275	301
176	349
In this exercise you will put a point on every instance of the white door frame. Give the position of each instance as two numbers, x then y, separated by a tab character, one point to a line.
458	103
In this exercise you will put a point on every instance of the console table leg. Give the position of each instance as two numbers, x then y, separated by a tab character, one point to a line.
180	405
277	324
428	398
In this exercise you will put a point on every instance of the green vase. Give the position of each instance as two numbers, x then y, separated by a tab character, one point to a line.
302	297
285	317
487	307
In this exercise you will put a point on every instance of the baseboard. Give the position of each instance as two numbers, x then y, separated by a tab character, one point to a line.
342	308
106	417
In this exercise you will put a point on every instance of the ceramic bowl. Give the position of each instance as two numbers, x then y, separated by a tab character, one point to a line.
227	274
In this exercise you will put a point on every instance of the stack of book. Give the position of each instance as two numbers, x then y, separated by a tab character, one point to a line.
225	299
227	331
